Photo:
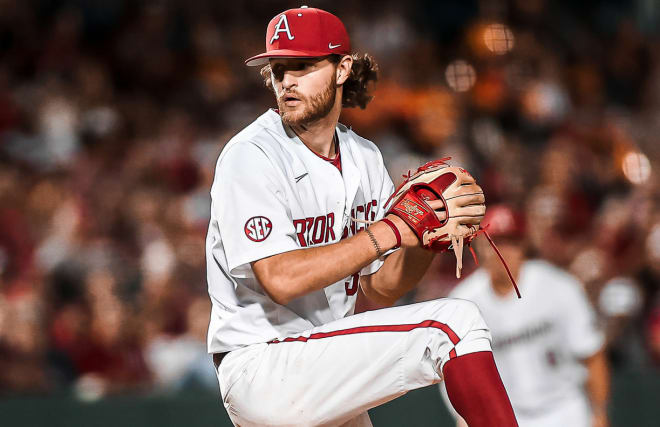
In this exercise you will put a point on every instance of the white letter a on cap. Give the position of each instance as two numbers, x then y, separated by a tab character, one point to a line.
279	29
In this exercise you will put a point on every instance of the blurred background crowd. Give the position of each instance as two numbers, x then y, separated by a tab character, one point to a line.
112	114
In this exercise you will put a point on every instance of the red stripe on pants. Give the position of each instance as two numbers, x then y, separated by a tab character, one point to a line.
379	328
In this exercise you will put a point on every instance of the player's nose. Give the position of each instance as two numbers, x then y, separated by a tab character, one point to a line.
288	80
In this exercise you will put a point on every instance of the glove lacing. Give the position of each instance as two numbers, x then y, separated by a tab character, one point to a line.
497	251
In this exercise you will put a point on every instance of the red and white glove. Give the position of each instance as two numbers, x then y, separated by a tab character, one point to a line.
456	222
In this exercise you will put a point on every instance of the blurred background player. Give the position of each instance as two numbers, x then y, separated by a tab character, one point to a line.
548	347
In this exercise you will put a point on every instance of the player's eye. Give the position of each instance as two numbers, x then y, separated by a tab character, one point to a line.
301	65
278	72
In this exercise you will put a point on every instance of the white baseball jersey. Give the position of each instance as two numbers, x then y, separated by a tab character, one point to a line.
271	194
310	362
539	341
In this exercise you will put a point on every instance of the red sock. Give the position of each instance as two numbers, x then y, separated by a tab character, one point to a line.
476	391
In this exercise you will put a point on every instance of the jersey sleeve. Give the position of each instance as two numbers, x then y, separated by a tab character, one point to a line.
384	193
583	334
248	201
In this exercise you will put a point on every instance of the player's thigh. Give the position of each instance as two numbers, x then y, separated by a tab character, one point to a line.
327	381
332	373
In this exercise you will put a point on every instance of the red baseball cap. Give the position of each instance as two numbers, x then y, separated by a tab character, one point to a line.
502	221
303	33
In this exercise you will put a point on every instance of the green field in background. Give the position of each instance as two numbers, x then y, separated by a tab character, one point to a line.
636	402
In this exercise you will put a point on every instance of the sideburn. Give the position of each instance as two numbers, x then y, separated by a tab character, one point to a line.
321	105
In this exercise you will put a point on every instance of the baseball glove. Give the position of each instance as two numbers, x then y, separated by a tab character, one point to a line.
462	202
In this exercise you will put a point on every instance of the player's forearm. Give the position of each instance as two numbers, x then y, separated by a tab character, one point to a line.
293	274
598	382
399	274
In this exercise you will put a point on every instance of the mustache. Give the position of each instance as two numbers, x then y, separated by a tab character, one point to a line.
289	94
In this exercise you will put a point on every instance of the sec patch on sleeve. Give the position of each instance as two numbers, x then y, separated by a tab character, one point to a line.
258	228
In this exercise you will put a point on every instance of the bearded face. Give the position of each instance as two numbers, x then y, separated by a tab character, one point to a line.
297	109
306	90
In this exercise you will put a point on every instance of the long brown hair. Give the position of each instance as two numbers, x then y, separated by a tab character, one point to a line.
356	87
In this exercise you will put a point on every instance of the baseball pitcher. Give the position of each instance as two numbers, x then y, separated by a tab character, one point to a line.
304	215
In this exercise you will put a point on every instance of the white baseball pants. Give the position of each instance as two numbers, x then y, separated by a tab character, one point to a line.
332	374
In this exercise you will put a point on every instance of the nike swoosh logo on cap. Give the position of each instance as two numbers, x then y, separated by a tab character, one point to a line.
298	178
331	46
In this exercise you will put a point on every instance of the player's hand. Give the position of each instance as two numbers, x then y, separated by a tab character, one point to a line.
457	211
472	207
467	203
408	237
469	209
443	205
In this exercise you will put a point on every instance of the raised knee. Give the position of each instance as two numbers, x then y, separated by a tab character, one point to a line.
465	310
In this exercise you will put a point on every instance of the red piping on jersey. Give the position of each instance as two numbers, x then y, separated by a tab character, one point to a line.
378	328
336	162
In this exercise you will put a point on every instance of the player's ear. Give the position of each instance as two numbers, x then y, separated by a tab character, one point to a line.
344	69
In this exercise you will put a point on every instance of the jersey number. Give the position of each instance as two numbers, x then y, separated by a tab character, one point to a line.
352	285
